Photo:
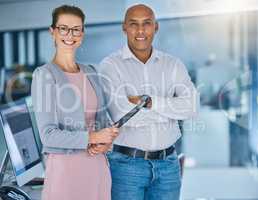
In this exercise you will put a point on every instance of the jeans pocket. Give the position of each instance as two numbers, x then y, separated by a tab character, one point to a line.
172	158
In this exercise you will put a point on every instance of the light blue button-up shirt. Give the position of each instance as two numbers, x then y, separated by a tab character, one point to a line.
165	79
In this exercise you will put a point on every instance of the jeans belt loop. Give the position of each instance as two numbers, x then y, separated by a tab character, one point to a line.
134	153
164	154
146	155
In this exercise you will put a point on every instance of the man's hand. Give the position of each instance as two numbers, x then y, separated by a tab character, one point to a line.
95	149
134	99
137	99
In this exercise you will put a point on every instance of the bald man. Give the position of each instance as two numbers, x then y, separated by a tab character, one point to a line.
143	162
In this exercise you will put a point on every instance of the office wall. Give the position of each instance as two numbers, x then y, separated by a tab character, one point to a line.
176	8
38	14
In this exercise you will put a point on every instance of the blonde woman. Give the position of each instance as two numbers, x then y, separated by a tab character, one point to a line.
70	112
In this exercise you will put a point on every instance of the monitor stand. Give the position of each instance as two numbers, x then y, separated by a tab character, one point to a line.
9	192
3	167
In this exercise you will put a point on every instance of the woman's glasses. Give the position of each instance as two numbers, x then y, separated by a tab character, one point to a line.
65	30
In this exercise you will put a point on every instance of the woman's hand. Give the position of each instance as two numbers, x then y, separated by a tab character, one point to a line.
106	136
95	149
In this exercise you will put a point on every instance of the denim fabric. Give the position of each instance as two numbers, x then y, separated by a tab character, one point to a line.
139	179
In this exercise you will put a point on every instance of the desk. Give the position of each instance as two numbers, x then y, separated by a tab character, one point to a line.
33	191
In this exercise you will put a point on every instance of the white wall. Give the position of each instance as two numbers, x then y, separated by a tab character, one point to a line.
176	8
26	15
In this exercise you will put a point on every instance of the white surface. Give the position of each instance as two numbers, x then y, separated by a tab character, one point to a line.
221	183
206	139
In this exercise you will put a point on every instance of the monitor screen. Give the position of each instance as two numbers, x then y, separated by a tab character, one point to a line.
2	147
34	123
21	142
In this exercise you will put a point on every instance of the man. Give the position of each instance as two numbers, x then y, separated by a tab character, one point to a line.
143	163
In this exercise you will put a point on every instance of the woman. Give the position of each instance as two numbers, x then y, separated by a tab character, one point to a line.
70	112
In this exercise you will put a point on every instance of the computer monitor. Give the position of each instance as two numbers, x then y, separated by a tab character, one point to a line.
2	146
21	142
3	156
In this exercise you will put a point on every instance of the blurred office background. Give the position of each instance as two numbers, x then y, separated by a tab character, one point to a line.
216	39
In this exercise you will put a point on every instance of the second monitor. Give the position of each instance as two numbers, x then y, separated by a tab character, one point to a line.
21	142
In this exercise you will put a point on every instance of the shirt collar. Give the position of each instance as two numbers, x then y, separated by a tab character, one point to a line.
127	53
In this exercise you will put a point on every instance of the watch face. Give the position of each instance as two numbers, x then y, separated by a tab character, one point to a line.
145	99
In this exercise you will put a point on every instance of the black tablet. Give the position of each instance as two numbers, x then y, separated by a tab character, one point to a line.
145	99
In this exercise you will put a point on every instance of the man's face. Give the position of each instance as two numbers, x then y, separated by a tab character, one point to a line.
140	27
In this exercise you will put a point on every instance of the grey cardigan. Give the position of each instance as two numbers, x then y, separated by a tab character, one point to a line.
59	112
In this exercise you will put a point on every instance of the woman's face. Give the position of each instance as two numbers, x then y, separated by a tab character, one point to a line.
68	32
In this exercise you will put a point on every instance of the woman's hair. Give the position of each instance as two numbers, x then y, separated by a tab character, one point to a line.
66	9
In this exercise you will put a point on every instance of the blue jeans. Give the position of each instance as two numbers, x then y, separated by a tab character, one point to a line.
139	179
